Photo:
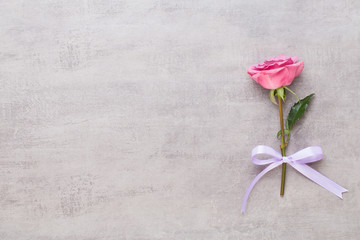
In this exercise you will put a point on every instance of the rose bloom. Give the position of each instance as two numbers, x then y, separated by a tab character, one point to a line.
276	72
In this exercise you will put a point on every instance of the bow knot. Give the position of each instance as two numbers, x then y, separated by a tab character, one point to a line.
287	159
298	161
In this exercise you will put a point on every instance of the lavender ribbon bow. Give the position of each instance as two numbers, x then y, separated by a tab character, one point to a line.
298	161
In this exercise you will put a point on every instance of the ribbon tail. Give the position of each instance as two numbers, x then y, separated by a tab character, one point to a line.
320	179
256	179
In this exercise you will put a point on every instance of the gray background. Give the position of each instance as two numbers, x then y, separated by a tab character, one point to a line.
136	119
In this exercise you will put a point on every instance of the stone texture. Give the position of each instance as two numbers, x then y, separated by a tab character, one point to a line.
135	119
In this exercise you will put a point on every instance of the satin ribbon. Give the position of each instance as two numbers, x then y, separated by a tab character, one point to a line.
298	161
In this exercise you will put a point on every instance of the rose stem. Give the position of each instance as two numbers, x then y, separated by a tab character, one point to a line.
282	147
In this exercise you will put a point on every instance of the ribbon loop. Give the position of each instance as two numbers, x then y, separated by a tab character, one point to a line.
264	150
298	161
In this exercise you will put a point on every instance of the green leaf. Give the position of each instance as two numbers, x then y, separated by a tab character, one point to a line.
297	110
272	96
287	123
286	131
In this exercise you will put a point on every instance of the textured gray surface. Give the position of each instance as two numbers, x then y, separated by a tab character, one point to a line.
135	119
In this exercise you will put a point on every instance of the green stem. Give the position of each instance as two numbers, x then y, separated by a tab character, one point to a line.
282	147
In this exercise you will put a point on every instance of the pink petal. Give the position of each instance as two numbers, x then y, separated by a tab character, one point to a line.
272	79
300	68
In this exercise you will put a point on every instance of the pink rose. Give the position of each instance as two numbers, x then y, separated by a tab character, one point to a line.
276	72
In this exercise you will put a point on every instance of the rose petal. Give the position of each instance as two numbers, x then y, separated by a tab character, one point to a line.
252	70
272	79
294	59
299	69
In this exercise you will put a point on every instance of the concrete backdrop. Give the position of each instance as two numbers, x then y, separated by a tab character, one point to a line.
136	119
